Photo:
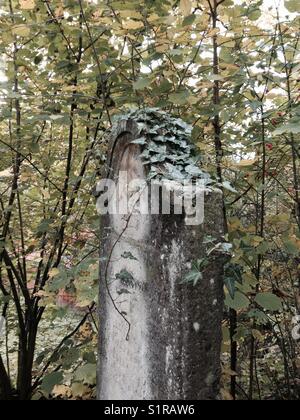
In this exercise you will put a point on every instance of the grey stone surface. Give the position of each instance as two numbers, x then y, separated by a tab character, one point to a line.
172	350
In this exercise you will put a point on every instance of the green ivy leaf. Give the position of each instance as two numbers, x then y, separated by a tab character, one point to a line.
125	277
128	255
193	276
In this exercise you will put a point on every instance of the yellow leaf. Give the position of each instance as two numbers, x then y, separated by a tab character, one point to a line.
152	18
226	395
59	12
27	4
79	390
130	14
163	47
228	372
213	32
279	219
132	24
53	272
21	30
62	391
185	7
234	224
258	335
248	162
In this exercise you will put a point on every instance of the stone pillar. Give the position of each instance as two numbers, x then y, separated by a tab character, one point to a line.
160	338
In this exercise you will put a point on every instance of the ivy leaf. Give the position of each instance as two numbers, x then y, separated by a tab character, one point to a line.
193	170
196	272
174	172
269	301
193	276
159	157
230	285
141	141
128	255
125	277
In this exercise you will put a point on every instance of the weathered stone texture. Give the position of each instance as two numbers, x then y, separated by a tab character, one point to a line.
173	346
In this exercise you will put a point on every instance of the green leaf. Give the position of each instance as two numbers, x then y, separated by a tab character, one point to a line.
125	277
158	157
193	277
128	255
21	30
86	374
174	172
193	170
44	226
179	98
59	282
49	381
189	20
232	276
259	316
269	301
292	127
254	15
292	6
227	3
215	77
240	301
141	84
230	286
291	246
196	272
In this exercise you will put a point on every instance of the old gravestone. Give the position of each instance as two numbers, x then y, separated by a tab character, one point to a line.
160	334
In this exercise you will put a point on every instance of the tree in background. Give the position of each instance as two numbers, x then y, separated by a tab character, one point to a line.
70	66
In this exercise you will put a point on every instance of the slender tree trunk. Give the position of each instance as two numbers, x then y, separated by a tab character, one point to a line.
219	156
